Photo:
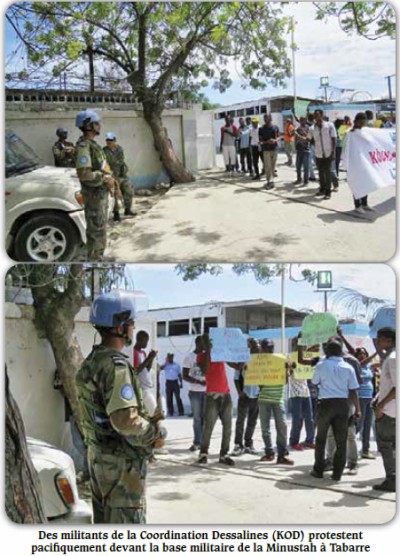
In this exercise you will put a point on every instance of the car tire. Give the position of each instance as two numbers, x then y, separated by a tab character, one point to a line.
46	238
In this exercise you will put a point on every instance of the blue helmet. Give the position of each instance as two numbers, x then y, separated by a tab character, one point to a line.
85	118
113	309
110	136
61	131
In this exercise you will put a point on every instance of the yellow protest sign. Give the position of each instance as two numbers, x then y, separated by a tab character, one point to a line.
266	368
303	372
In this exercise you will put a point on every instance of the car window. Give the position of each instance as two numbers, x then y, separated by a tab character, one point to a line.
19	157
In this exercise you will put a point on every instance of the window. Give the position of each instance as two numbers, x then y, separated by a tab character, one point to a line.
263	109
179	327
250	111
161	329
196	326
240	112
210	322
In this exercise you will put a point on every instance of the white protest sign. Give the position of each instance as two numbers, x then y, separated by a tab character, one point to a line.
369	156
384	318
229	344
317	328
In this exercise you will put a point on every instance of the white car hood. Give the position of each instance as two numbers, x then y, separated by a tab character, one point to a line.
44	177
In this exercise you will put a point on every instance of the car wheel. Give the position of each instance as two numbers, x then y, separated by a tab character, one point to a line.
46	238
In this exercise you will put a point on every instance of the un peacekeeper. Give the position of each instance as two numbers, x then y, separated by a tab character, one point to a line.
118	431
63	150
116	159
97	183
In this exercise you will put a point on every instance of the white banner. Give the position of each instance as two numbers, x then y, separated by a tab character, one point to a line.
369	156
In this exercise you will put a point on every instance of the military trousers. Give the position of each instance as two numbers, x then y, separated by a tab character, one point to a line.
96	208
127	192
118	487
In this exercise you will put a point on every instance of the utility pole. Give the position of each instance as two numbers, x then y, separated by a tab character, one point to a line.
389	80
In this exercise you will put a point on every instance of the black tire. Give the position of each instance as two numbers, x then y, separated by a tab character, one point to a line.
62	230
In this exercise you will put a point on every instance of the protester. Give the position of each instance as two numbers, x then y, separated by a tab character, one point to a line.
269	137
337	381
324	135
197	391
271	401
385	408
342	127
142	364
289	140
244	146
365	394
361	205
303	152
301	410
218	404
247	409
173	384
255	147
229	133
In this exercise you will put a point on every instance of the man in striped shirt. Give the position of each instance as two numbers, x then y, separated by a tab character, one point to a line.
271	401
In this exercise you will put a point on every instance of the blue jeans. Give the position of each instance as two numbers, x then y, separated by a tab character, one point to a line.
197	401
303	161
301	412
278	411
365	422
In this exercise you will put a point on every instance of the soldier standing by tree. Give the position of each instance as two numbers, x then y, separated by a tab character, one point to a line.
97	182
116	159
118	430
63	150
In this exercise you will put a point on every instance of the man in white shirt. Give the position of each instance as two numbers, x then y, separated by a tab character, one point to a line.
324	135
385	408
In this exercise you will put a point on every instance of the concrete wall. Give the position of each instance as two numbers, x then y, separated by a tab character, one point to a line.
191	133
31	367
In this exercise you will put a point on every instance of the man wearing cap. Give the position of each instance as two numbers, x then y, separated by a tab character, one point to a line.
118	431
63	150
97	183
173	384
116	159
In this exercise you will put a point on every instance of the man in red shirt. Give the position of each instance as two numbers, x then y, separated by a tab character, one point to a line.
218	403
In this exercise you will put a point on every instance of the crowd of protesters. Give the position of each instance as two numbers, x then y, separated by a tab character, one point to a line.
350	396
313	145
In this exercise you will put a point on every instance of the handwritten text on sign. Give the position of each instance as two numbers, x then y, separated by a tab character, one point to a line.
229	344
303	372
318	328
266	368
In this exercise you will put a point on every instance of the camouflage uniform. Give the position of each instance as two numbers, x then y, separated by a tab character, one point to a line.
63	159
116	160
90	165
117	463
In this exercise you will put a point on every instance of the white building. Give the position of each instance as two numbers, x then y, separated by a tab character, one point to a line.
177	327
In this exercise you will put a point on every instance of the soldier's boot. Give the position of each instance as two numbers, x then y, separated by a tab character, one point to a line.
129	212
116	216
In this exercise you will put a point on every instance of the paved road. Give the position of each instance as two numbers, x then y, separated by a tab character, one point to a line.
183	492
231	219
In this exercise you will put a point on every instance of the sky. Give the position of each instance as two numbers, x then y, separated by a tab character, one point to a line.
165	288
323	49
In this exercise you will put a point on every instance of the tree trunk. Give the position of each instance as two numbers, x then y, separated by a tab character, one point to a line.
54	316
23	494
163	145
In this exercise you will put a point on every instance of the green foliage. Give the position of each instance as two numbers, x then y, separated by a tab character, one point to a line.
372	20
263	273
161	46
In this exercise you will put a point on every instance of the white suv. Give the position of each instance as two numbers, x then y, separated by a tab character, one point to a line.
45	219
61	502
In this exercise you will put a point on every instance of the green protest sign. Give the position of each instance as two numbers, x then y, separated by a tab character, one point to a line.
318	328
